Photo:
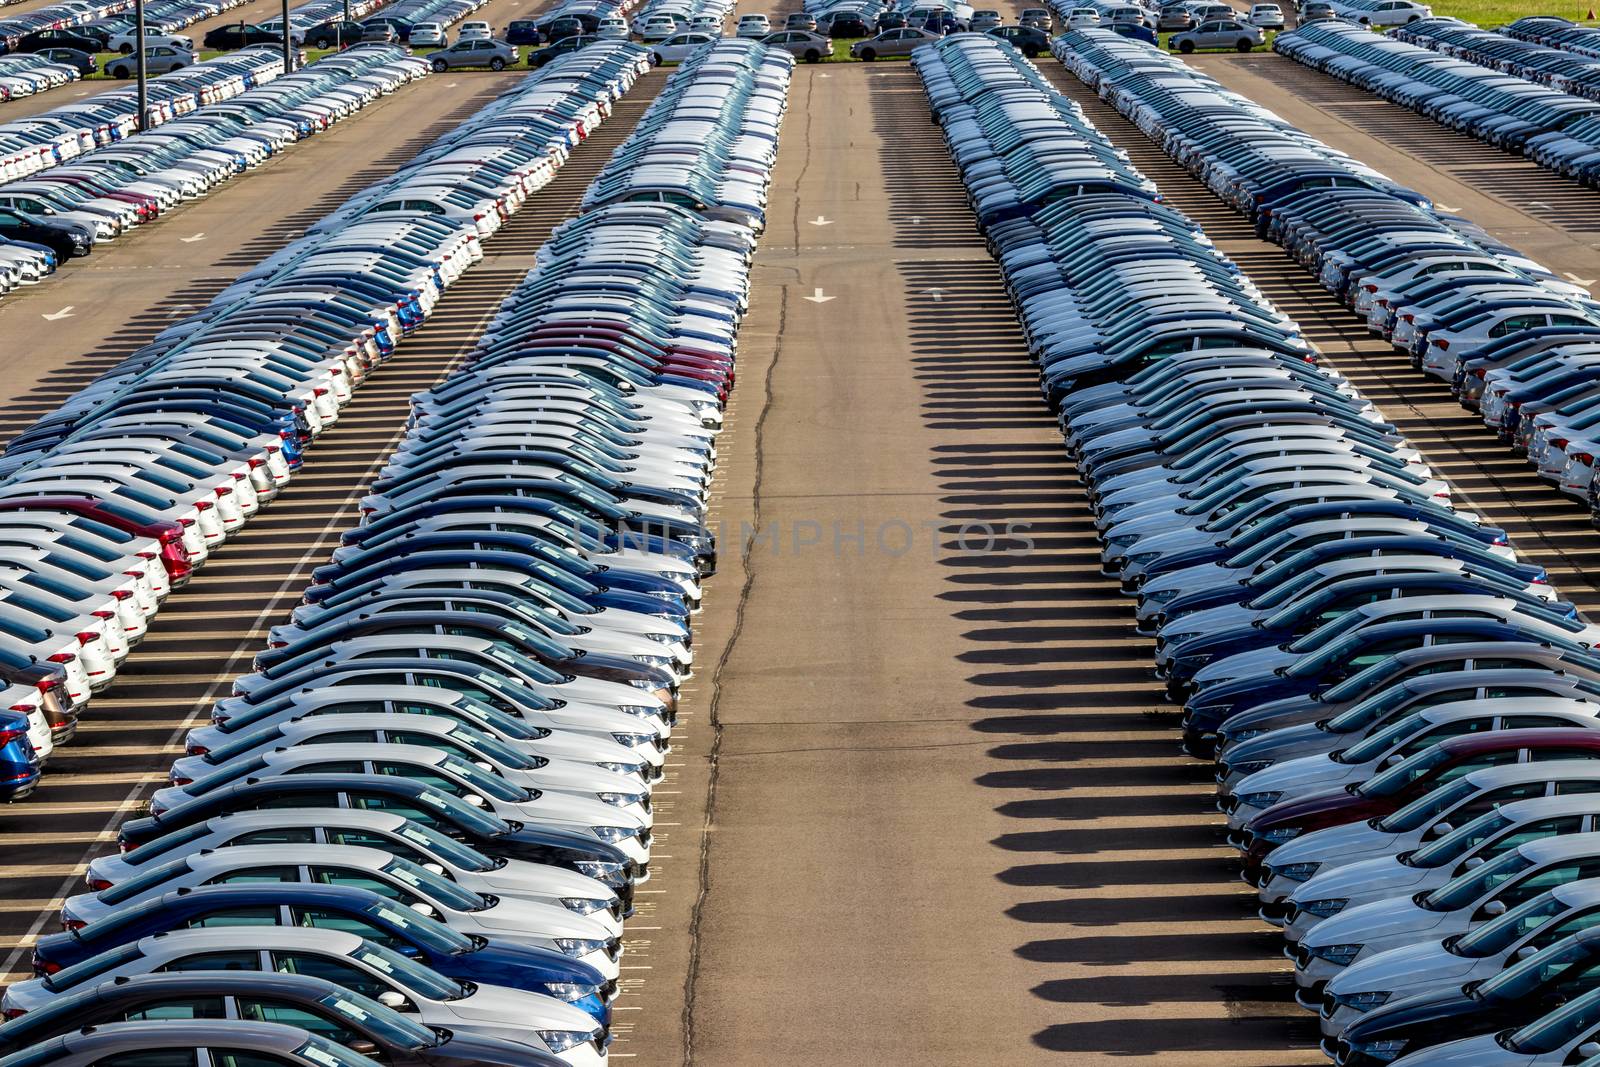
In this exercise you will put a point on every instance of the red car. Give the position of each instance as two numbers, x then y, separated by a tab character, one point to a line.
1393	789
169	535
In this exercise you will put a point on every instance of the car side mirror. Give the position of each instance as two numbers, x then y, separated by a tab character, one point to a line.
1439	829
422	907
1494	907
1472	863
1589	1050
391	998
474	799
438	868
1524	952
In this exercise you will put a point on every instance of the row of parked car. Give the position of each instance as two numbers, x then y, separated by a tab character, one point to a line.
1556	32
428	807
106	191
1405	717
26	75
63	14
1555	129
1567	71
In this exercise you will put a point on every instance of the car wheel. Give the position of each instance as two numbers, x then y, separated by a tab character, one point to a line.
1245	44
175	66
1030	51
1186	47
868	55
1412	19
497	63
125	49
813	56
121	72
655	59
439	66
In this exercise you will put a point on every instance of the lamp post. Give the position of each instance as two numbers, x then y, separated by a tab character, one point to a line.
288	42
139	66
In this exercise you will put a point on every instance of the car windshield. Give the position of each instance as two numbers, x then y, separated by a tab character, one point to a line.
435	886
1404	773
449	849
423	981
396	1029
1466	888
320	1050
1460	841
1500	933
1370	710
1419	811
1382	741
1560	1028
422	930
482	780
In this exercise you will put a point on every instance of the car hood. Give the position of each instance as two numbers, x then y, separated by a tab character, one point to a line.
1284	743
1335	846
1380	877
1251	664
502	1008
1414	968
1380	920
1417	1009
1315	773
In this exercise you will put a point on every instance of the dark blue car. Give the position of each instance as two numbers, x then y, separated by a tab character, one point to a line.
19	764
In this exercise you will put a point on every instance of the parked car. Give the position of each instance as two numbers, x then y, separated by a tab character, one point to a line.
811	47
891	43
496	55
1218	33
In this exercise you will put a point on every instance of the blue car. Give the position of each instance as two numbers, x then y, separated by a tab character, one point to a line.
350	910
19	764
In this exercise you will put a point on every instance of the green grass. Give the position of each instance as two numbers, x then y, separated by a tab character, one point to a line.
312	55
1492	13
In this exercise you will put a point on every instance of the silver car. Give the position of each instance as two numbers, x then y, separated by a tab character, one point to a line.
802	44
496	55
1218	33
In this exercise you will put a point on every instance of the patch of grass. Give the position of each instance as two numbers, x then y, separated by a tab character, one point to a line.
1492	13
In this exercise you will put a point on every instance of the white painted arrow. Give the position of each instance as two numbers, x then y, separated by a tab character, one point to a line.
817	297
937	294
1539	204
1581	281
821	221
1446	207
64	313
201	236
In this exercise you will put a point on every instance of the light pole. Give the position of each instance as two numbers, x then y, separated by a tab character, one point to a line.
288	42
138	53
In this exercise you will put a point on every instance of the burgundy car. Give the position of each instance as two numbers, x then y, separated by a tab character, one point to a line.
1393	789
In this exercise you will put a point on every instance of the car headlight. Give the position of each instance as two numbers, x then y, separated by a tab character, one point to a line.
1324	908
1375	998
614	833
579	946
584	905
639	711
621	800
1298	872
633	740
1382	1050
1338	955
1124	540
662	639
1144	559
1160	596
1244	735
621	768
641	683
603	871
1263	800
1248	767
663	662
561	1040
570	990
1281	834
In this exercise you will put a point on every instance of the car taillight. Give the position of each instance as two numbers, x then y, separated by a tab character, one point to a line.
107	615
204	505
44	685
186	522
99	885
8	736
197	750
1558	442
224	490
69	924
179	780
1586	458
85	636
62	657
1480	373
257	462
1443	345
17	1013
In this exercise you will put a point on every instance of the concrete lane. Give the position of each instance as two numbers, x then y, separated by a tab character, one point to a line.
944	827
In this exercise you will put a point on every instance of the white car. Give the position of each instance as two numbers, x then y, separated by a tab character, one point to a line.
1265	16
657	28
429	34
1080	18
753	26
474	31
124	42
1385	12
394	833
680	46
612	29
364	967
